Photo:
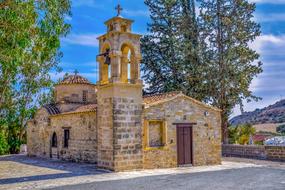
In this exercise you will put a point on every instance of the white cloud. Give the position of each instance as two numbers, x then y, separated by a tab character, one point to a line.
269	44
270	84
82	39
268	1
274	17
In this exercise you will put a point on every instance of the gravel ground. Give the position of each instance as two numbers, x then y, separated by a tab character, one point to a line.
21	172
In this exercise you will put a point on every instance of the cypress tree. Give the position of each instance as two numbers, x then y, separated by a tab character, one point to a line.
162	54
227	27
171	49
192	59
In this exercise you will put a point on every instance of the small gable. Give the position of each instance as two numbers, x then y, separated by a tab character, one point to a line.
152	100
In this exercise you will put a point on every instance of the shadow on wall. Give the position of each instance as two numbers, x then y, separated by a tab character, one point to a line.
64	169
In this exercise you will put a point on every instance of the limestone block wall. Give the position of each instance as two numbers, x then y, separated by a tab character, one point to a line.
105	131
37	134
127	134
276	153
74	92
119	127
206	134
83	136
252	151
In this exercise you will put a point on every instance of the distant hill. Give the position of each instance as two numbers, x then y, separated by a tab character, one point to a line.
272	114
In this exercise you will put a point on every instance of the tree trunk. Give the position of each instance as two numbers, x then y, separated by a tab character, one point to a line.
224	125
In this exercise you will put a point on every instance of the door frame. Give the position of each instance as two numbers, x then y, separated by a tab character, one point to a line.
179	125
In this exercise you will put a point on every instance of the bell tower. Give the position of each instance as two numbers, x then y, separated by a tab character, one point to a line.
119	97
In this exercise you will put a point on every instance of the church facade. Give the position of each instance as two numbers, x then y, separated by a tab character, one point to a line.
112	125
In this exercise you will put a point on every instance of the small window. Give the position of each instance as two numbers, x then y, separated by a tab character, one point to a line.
66	138
84	95
54	140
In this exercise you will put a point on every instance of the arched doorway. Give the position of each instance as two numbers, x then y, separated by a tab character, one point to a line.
54	146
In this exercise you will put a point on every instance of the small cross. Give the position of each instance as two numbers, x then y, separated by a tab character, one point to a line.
76	72
119	9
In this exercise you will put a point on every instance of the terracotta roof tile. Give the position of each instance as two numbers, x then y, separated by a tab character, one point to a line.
87	108
75	79
149	99
82	109
52	109
155	99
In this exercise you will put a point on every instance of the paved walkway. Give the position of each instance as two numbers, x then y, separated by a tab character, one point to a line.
21	172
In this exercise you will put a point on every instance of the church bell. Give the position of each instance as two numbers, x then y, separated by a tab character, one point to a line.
107	60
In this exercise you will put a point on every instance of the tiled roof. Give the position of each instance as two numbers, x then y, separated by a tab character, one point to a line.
81	109
52	109
149	99
74	79
87	108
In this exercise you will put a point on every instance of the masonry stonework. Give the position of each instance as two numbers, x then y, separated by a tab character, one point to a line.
206	133
119	114
110	124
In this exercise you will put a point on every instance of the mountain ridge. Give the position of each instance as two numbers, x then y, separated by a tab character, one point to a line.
271	114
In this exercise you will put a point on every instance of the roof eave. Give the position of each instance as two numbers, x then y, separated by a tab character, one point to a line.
182	95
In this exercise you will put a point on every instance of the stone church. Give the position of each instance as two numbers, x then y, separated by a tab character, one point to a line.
112	125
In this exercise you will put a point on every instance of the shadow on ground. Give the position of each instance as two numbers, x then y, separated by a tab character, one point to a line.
65	169
261	178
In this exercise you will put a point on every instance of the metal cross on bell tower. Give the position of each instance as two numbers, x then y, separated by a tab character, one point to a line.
119	9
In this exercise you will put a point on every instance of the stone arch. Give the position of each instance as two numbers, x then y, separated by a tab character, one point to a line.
105	70
128	62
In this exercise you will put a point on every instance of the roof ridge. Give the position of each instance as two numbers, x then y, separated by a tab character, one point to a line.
75	79
163	93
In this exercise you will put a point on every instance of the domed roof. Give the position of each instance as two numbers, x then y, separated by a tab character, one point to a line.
75	79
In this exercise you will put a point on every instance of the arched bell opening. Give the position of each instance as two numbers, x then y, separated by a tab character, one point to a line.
128	64
105	63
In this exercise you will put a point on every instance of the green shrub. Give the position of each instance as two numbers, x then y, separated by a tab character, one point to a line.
240	134
4	147
281	129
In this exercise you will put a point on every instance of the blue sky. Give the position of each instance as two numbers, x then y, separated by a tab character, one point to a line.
80	47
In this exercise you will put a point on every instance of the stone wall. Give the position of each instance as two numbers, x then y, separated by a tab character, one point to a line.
83	136
253	151
119	127
37	132
74	92
276	153
206	134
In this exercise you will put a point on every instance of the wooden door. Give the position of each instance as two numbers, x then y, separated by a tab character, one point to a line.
184	144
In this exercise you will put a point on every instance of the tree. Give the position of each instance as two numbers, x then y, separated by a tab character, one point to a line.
29	49
193	65
228	27
241	134
281	129
162	61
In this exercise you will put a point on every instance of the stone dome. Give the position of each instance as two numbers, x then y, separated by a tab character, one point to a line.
75	79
